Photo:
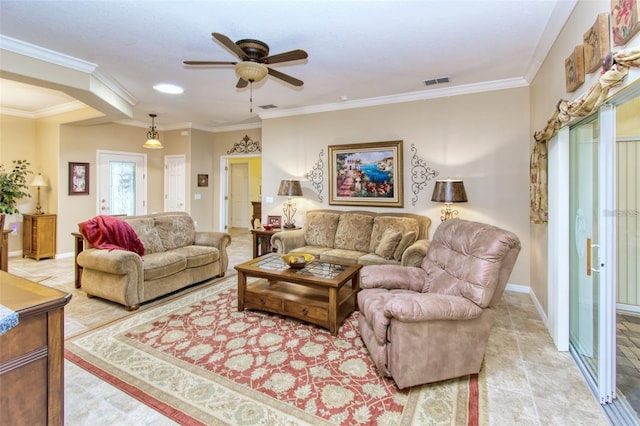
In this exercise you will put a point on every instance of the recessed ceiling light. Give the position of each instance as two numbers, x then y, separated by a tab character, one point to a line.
172	89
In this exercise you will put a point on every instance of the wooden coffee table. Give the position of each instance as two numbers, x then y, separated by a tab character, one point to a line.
316	293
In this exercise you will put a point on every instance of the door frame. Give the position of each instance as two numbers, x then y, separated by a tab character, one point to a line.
224	187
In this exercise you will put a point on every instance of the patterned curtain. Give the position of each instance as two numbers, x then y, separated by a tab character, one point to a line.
564	112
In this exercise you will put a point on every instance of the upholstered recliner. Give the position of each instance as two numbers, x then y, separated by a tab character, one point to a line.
431	323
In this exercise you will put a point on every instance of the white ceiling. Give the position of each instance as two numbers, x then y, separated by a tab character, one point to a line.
367	52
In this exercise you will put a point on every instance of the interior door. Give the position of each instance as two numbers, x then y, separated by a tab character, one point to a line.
121	183
174	183
239	195
592	291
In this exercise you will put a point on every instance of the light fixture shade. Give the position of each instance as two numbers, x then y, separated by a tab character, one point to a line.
251	71
449	191
152	144
290	188
153	141
39	181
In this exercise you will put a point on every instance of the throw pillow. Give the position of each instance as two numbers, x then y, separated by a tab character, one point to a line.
388	243
407	239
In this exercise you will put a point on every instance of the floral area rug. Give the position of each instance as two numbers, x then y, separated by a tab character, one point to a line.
198	360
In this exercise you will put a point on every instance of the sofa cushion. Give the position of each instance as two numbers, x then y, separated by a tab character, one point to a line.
198	255
314	250
407	239
146	230
341	255
320	228
175	231
388	243
354	232
395	223
163	264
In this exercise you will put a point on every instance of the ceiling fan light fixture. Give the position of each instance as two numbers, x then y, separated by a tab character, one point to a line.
251	71
153	138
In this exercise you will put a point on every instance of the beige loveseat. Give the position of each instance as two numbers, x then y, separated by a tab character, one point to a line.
360	237
175	256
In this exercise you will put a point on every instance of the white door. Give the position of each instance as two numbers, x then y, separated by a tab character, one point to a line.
239	195
121	183
174	183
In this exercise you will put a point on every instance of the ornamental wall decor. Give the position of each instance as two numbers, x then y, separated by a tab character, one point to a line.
420	174
245	146
316	175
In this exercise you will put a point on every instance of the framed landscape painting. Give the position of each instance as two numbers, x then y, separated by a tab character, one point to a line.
366	174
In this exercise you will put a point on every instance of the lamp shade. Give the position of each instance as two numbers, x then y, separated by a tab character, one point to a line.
251	71
449	191
39	181
290	188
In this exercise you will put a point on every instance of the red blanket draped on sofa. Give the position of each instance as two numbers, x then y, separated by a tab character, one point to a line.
108	232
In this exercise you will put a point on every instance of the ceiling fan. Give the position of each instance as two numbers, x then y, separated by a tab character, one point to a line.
254	58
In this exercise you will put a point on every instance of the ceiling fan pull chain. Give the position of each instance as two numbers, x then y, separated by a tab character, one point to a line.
250	96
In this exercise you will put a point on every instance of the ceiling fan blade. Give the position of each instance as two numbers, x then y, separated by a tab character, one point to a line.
241	84
292	55
285	77
229	44
208	63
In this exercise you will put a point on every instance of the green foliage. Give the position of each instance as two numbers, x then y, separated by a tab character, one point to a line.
13	186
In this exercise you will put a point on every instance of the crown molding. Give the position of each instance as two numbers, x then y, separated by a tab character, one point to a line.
44	112
557	20
47	55
405	97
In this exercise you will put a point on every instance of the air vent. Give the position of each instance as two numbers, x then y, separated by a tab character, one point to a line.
439	80
270	106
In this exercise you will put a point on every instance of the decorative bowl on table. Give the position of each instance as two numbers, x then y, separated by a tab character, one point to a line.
297	260
267	227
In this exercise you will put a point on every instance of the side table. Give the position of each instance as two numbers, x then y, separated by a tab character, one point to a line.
262	240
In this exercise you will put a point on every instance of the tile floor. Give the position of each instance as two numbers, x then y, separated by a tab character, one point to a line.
628	358
529	382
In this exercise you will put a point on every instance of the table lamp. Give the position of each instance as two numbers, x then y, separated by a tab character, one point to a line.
39	182
449	191
289	188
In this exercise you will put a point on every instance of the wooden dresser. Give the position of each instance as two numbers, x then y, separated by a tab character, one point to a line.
31	354
39	236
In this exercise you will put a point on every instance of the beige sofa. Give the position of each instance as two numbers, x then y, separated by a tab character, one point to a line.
175	256
360	237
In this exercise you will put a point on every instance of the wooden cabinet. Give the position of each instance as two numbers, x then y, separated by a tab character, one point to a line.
257	213
39	236
31	354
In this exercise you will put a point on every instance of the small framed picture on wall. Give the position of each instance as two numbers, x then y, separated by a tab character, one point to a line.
203	180
78	178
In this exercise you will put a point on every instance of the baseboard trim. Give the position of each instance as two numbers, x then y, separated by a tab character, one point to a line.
527	290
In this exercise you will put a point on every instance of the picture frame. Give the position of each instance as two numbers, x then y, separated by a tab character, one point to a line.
625	20
203	180
596	44
366	174
79	178
274	221
574	69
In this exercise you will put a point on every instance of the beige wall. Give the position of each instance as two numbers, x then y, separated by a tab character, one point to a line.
547	88
482	138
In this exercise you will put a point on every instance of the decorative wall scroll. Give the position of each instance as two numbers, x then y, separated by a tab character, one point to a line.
574	69
420	174
245	146
366	174
316	175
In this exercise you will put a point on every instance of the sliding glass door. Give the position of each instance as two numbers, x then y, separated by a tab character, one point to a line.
592	251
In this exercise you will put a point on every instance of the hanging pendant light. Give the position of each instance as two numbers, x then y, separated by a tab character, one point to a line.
153	138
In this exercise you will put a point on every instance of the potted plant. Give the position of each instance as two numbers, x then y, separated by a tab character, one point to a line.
13	187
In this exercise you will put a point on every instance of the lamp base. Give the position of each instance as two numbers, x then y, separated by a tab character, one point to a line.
289	225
